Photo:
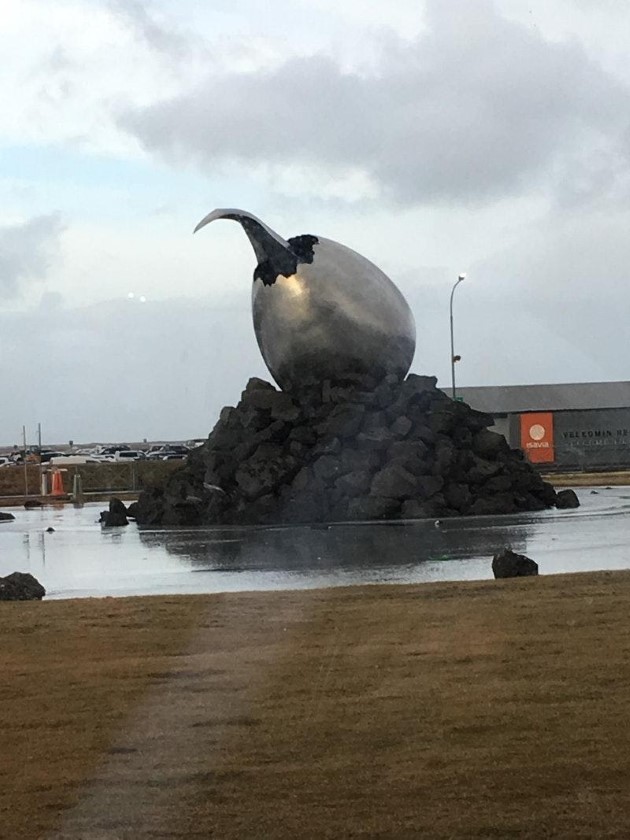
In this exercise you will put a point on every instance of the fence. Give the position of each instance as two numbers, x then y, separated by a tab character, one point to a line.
95	478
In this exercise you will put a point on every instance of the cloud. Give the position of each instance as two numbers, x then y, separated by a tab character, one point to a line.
477	107
27	251
67	67
158	35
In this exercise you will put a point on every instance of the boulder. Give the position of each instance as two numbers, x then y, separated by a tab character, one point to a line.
354	483
116	515
6	517
117	507
567	499
458	496
489	444
393	482
401	427
21	586
344	421
508	564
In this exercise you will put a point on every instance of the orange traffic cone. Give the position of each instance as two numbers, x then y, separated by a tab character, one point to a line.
57	484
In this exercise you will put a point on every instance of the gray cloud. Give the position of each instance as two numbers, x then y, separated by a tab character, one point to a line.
477	107
27	251
157	35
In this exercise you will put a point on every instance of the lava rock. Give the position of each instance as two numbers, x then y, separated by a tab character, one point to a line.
355	483
115	516
428	485
458	496
6	517
344	450
567	499
489	444
21	586
507	564
393	482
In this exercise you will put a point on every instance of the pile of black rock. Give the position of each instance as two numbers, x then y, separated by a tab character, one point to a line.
355	450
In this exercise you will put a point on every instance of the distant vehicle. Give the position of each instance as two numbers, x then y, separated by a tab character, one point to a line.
47	454
129	455
112	450
161	453
5	461
174	456
69	460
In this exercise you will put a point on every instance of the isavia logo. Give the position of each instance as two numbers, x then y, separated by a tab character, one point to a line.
537	436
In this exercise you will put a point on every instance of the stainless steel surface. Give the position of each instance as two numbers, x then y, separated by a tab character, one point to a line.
324	314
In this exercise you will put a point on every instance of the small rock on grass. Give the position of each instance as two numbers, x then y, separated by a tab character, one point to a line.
21	586
508	564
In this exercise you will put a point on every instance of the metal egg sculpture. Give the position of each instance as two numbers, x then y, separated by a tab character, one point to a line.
322	311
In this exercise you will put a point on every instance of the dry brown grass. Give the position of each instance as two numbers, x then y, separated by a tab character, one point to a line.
94	477
493	709
588	479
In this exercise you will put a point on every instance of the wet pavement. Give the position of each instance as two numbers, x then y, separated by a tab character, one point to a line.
82	559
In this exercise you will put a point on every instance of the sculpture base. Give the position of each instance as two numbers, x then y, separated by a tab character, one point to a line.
355	450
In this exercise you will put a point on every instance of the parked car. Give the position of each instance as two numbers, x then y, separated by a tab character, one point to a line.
130	455
114	449
69	460
47	454
156	454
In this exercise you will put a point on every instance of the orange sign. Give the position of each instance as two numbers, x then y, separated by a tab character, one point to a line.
537	437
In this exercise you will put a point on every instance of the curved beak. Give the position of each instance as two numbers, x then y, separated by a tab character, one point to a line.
267	244
216	214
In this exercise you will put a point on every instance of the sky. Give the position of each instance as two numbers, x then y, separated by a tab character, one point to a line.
434	137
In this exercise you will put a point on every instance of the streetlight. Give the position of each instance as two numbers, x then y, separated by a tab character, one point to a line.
454	358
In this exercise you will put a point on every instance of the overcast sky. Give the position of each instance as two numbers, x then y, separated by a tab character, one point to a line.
433	137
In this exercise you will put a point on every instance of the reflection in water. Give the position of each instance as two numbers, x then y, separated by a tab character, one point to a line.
348	548
79	558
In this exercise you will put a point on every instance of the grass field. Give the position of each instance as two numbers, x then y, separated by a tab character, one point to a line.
493	709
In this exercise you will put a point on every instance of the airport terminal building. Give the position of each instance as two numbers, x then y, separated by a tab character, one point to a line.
584	426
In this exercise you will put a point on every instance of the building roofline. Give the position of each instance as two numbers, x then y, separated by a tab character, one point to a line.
566	396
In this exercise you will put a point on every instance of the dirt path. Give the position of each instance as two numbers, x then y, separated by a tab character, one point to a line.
482	709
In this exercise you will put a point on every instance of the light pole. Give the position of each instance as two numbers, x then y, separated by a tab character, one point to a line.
453	357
